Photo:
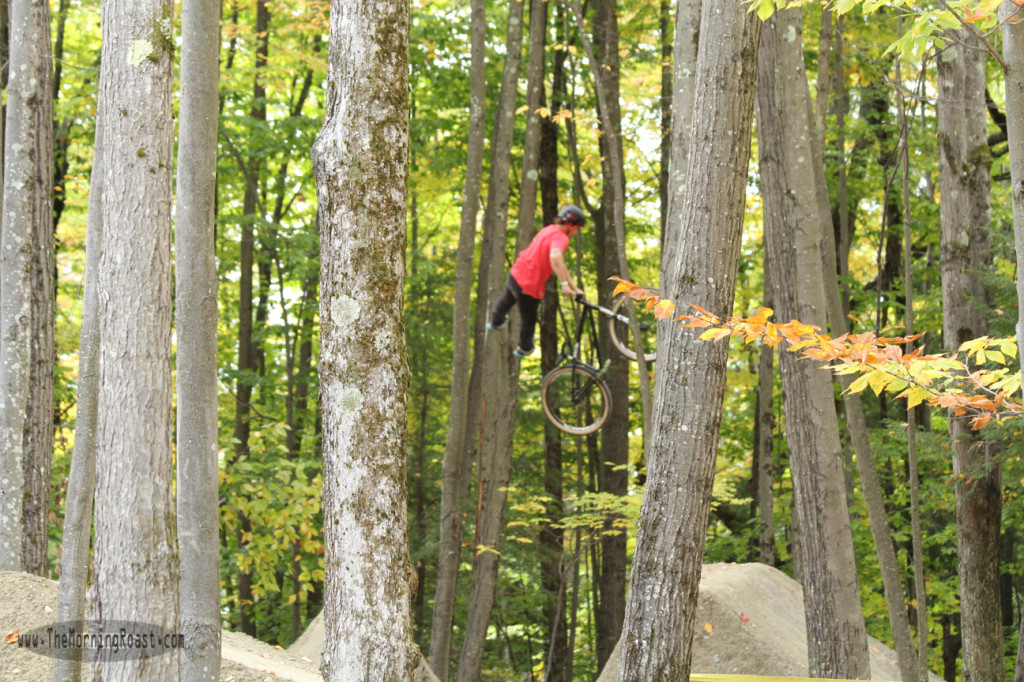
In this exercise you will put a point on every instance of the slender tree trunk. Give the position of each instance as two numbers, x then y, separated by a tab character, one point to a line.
74	567
534	98
764	439
27	294
836	637
964	163
136	561
552	537
614	454
500	368
246	343
196	315
856	426
453	465
360	160
1013	55
703	237
665	35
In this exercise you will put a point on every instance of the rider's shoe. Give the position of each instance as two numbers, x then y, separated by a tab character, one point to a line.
496	327
520	353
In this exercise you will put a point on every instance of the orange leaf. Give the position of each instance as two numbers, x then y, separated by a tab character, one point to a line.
708	628
980	421
663	310
11	637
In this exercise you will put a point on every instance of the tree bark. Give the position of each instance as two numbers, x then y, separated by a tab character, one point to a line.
500	368
247	350
196	317
764	438
453	465
27	294
135	559
703	247
614	447
964	163
78	505
1013	55
836	636
360	160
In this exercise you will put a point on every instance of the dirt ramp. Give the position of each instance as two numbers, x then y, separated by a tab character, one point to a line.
28	602
750	621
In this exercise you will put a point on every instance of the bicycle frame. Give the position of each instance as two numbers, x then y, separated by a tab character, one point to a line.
572	346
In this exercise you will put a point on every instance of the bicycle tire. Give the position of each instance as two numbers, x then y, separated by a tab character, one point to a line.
575	399
622	339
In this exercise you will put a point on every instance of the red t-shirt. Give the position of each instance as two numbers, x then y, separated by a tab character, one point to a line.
533	266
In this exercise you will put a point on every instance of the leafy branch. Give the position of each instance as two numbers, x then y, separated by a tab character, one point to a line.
958	381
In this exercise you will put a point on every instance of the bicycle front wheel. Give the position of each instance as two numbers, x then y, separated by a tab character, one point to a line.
622	338
575	399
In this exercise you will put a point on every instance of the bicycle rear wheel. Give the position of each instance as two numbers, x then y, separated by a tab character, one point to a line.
622	338
575	399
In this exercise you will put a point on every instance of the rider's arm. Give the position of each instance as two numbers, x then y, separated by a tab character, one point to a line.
562	273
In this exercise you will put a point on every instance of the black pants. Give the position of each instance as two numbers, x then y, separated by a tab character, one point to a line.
528	305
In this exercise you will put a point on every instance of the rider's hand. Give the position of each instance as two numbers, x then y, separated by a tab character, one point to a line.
570	289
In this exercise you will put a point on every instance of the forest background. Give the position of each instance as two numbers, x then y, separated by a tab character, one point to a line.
569	525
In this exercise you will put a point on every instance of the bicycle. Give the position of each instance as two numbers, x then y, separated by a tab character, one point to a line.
574	395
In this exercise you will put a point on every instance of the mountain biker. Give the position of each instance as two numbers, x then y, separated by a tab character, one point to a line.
529	275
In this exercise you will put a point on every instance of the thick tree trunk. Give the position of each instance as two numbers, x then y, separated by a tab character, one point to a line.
26	294
836	637
196	317
703	247
360	160
453	466
74	566
136	561
499	367
964	164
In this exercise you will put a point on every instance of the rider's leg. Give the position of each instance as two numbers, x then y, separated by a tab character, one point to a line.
499	314
527	321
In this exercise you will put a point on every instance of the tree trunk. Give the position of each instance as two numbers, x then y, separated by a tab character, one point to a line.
136	561
1013	55
27	295
453	465
684	85
964	163
74	566
360	160
764	438
196	313
500	369
836	637
614	454
703	237
247	351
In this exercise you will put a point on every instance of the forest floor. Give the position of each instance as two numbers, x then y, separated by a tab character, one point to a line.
750	621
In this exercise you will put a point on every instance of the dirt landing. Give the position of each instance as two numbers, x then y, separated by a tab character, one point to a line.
750	621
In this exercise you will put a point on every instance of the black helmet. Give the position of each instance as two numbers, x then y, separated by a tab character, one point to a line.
572	215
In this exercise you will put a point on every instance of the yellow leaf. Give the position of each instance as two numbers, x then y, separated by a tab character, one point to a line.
291	598
708	628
